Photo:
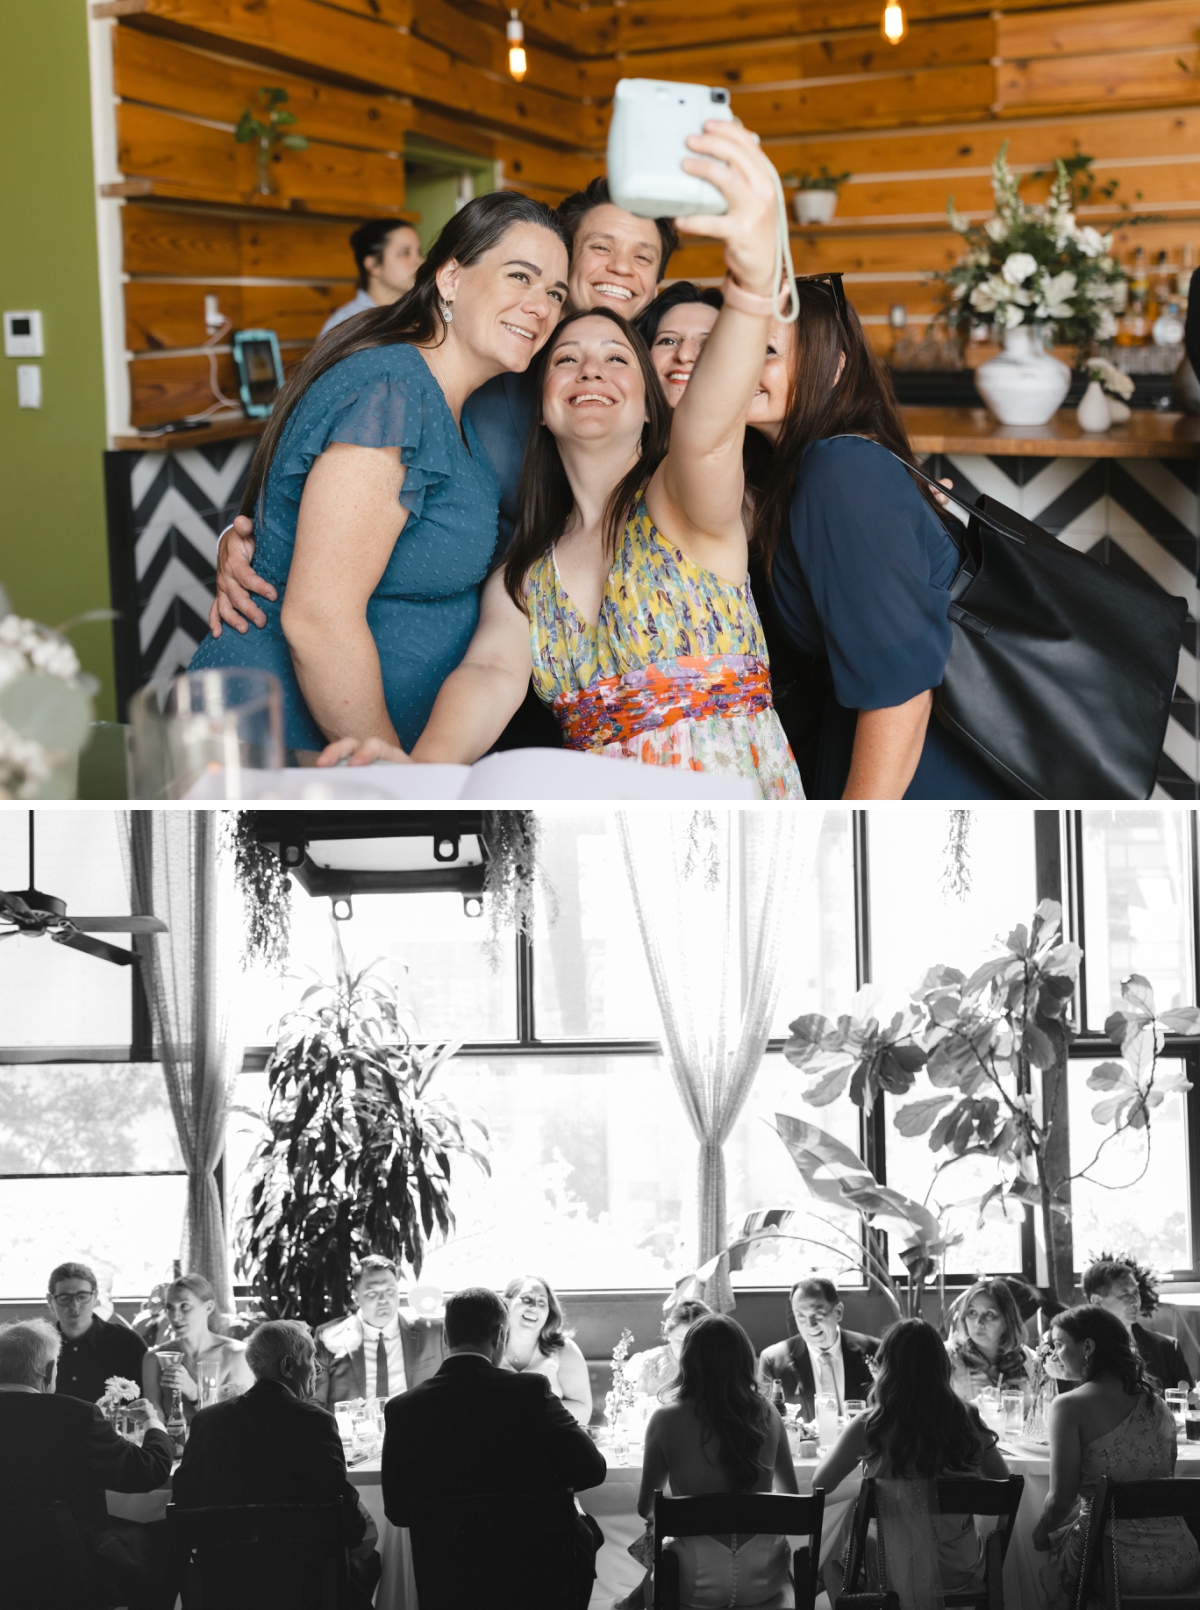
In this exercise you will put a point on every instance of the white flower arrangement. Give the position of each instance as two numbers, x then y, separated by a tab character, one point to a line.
1034	264
623	1392
1112	379
45	705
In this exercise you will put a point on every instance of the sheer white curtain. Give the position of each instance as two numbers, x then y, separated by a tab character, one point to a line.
189	974
713	892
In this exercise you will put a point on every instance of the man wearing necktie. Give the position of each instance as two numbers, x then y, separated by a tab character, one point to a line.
823	1358
378	1351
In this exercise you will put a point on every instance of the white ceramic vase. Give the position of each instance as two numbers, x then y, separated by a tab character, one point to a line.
815	206
1024	385
1093	411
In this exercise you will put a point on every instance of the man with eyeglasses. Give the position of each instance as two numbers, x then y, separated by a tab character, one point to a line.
93	1349
1113	1284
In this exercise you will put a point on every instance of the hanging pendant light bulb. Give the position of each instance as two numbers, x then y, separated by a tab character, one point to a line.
895	24
517	64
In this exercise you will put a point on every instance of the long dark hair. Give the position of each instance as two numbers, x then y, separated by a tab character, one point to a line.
676	295
1116	1352
916	1419
718	1376
416	318
861	403
545	499
552	1337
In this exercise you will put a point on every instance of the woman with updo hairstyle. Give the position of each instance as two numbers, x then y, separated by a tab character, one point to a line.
656	1371
191	1305
987	1342
538	1344
916	1428
1113	1424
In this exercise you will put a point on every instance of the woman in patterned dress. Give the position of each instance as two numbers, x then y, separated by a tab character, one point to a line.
625	593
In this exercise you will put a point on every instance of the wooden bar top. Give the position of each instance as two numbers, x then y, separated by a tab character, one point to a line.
177	441
975	430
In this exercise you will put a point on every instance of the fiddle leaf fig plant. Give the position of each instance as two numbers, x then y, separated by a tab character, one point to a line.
358	1151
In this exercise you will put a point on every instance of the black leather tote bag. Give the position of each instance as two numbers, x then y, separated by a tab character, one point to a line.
1061	669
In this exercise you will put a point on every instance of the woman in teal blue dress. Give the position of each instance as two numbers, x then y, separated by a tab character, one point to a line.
374	506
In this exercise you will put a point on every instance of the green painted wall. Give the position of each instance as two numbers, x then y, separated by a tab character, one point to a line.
53	548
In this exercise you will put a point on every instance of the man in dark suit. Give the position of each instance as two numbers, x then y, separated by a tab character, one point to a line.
823	1357
57	1448
273	1445
378	1351
475	1430
1113	1284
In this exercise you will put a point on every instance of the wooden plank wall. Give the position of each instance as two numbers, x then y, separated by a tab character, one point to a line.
913	123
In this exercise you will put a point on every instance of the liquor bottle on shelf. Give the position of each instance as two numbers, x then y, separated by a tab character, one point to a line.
1133	327
1183	279
1161	290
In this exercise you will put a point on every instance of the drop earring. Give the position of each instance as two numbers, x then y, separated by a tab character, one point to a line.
447	311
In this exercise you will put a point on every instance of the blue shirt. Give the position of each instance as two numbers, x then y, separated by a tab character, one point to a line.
503	411
425	607
862	579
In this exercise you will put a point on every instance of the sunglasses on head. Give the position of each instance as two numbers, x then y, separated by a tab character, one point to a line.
831	284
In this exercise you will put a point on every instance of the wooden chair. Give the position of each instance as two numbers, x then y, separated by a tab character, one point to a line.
780	1513
502	1551
956	1495
260	1556
1134	1501
45	1564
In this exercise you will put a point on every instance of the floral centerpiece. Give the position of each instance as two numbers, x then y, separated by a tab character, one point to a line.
119	1393
45	709
623	1393
1033	264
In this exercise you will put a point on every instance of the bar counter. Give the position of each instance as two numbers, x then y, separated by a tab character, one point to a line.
975	430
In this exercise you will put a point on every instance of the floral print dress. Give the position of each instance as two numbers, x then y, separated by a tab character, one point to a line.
674	673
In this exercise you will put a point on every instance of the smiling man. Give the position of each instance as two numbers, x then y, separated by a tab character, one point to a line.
1113	1284
823	1357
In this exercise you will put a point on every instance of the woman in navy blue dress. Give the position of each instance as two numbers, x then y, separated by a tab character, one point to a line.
375	510
859	561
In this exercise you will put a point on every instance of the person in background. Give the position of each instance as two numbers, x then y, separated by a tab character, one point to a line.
58	1449
191	1308
915	1428
388	255
476	1429
93	1349
822	1357
538	1345
720	1435
675	327
987	1346
656	1371
272	1445
377	1351
1113	1424
1112	1283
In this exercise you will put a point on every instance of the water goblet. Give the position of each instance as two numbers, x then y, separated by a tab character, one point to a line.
1012	1412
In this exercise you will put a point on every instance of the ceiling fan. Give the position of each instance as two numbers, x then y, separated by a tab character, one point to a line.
33	914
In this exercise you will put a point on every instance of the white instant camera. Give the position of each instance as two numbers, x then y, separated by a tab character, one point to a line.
651	121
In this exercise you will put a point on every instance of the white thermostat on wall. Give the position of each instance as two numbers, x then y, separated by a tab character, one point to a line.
23	335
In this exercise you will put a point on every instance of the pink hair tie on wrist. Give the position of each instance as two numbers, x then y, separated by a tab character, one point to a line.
759	307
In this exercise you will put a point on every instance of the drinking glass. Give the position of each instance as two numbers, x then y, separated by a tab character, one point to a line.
1176	1401
987	1401
208	1379
1012	1412
201	731
827	1418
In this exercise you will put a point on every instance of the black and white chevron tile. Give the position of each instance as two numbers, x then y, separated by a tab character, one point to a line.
166	512
1142	515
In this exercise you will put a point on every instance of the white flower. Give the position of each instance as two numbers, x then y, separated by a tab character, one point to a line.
1055	292
1106	325
990	293
958	221
1018	266
1091	242
1009	316
1110	377
995	229
12	664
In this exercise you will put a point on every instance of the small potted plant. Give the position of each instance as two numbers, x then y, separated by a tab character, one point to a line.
266	124
815	201
1104	403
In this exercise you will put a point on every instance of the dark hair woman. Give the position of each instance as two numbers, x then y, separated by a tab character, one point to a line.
626	593
656	1371
860	560
987	1342
720	1435
538	1344
675	327
916	1428
374	507
1113	1424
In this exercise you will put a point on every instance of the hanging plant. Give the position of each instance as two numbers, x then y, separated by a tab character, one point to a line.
512	873
266	892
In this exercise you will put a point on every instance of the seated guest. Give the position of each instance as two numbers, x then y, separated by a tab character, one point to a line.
916	1428
388	255
93	1349
376	1352
191	1307
60	1449
656	1371
476	1429
719	1436
1111	1283
1115	1424
272	1445
823	1357
538	1345
986	1345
